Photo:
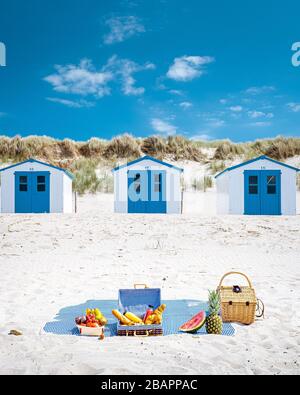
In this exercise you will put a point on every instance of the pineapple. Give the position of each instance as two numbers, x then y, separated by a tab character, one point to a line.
214	323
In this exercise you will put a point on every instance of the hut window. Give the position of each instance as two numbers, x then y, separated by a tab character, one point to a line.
272	187
157	183
41	183
137	183
253	185
23	184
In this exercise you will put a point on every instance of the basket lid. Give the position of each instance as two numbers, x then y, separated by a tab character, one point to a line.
135	297
247	294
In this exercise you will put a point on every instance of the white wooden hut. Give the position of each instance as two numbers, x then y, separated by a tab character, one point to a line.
148	186
35	187
262	186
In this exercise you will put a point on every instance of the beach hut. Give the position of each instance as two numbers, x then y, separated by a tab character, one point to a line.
262	186
148	186
35	187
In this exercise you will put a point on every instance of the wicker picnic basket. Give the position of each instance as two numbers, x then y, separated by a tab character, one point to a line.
238	304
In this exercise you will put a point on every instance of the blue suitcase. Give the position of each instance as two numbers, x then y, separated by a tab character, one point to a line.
133	300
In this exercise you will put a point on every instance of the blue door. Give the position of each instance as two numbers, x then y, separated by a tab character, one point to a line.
147	192
252	193
271	192
157	203
32	192
22	193
137	191
262	192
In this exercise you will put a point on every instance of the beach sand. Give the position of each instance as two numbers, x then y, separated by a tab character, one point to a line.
49	263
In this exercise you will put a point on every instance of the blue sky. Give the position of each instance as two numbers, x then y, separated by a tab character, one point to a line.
210	70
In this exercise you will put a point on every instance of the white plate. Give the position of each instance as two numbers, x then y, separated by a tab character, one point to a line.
85	331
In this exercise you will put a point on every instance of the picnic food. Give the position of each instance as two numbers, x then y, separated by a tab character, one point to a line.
92	319
214	323
123	320
100	317
148	313
160	309
194	324
156	317
151	317
80	320
133	318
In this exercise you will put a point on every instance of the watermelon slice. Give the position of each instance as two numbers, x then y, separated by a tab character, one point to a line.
195	324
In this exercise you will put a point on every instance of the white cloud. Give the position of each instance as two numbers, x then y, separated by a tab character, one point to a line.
223	101
71	103
216	123
257	90
122	28
163	127
176	92
125	69
236	108
260	114
188	68
295	107
186	105
202	137
261	124
2	114
160	86
85	80
82	79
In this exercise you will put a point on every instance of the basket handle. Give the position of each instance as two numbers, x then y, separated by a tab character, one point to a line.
238	273
147	334
140	285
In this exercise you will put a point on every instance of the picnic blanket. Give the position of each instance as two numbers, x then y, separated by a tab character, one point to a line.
177	313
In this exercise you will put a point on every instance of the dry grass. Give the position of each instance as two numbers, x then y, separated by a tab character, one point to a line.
228	150
122	147
284	148
126	147
217	166
86	179
280	148
202	184
93	148
84	159
181	148
175	147
154	146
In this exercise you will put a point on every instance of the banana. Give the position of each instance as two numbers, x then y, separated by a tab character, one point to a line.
123	320
151	319
134	318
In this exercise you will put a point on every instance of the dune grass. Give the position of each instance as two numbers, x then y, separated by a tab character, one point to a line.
227	150
217	166
86	179
84	158
128	147
202	184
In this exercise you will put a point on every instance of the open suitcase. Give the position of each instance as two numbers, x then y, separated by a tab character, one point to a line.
137	297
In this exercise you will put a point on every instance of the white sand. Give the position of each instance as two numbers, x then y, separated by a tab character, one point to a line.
51	262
